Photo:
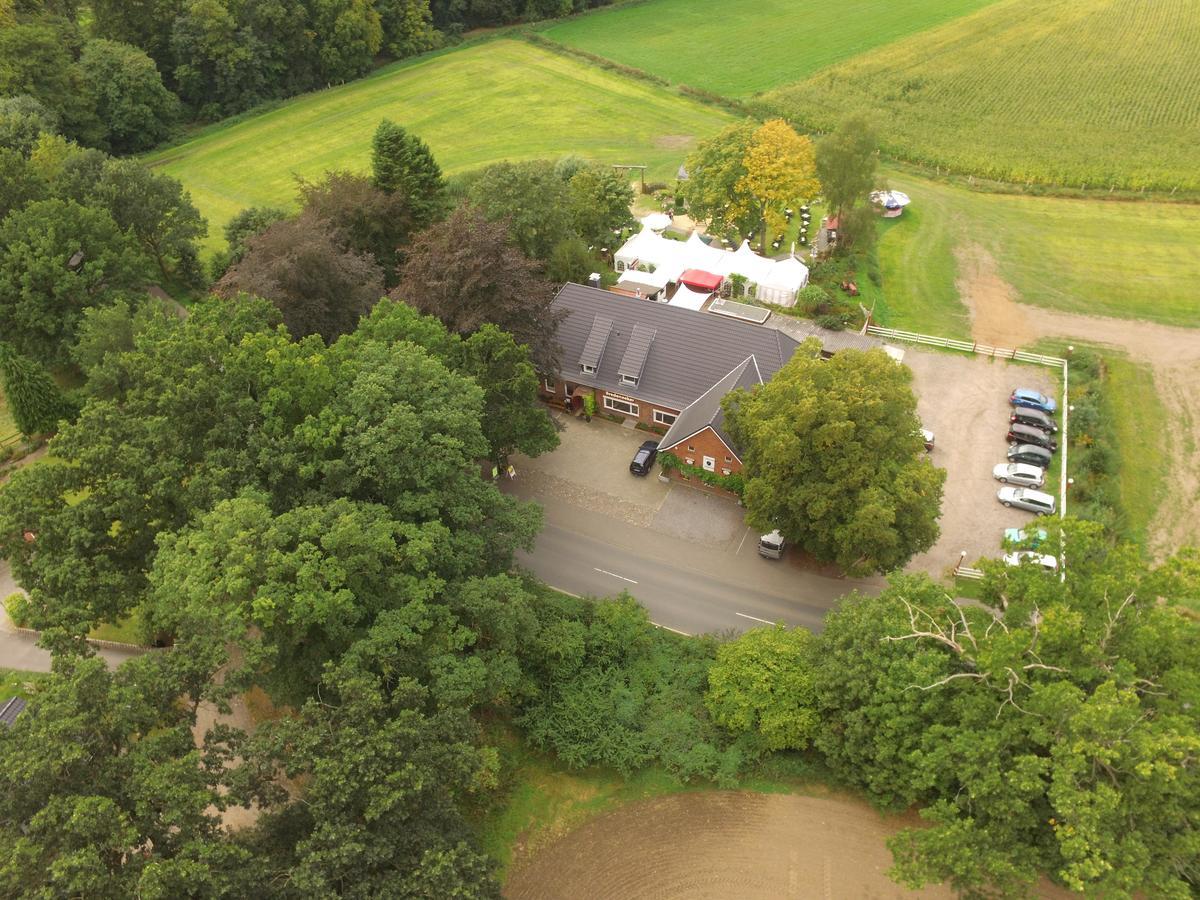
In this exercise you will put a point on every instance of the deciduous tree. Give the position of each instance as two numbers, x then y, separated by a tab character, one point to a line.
833	459
761	683
58	258
780	172
600	203
468	272
299	265
846	163
530	198
129	95
23	119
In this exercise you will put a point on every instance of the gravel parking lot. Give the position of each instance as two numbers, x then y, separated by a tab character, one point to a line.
964	401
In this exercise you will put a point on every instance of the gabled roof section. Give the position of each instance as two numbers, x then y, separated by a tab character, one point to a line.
690	353
9	710
597	340
706	410
636	351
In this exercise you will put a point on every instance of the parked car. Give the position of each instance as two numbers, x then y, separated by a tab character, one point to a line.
1014	537
1045	560
1027	498
772	545
644	458
1020	473
927	437
1028	453
1027	434
1027	415
1033	399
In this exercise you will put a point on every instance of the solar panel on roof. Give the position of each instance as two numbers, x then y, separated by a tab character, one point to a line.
636	351
596	341
743	311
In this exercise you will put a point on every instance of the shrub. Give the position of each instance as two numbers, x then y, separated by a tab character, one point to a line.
832	321
17	606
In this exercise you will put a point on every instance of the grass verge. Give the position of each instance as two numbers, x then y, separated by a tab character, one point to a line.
14	683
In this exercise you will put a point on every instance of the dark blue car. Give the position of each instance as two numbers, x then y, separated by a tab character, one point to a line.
1032	399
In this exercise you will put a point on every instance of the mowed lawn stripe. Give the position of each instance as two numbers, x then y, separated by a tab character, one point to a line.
499	100
739	47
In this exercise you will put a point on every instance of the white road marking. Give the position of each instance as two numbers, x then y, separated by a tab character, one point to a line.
614	575
755	618
743	540
669	628
561	591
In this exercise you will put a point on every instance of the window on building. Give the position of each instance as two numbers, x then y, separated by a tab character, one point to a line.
710	464
664	418
621	406
729	459
630	380
588	370
725	471
551	385
690	461
691	449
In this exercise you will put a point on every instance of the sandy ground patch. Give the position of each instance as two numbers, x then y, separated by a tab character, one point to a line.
674	141
964	401
1173	355
719	845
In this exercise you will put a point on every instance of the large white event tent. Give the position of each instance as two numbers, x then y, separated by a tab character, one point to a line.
772	281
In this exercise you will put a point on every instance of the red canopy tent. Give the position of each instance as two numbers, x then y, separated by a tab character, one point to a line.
701	280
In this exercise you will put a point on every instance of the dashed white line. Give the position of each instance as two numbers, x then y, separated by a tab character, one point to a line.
561	591
755	618
742	541
614	575
669	628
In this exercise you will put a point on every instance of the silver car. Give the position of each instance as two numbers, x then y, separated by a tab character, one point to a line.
1027	498
1020	473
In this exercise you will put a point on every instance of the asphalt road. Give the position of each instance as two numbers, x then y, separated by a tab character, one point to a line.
680	595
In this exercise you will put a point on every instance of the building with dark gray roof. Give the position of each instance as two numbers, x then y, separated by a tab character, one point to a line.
662	356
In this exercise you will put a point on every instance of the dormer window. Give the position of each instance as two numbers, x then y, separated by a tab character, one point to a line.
630	380
587	370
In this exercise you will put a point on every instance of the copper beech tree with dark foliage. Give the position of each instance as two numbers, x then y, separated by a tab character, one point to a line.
468	272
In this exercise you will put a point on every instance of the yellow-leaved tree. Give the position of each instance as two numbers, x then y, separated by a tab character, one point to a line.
780	171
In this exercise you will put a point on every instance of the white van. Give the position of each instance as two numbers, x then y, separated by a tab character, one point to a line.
772	545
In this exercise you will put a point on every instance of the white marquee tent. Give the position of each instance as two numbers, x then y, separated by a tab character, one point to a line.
772	281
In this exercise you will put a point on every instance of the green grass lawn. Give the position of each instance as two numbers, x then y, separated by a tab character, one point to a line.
1133	260
13	683
1139	420
126	631
1069	92
498	100
739	47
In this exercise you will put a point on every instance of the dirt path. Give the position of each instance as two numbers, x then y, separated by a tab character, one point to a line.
1173	355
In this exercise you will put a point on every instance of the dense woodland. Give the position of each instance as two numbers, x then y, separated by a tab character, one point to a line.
285	482
118	75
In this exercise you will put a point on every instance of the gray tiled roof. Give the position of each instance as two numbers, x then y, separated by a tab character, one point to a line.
597	340
706	410
691	351
636	351
9	710
831	341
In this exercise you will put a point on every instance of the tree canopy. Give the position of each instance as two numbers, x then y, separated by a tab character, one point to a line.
846	162
468	272
833	458
403	164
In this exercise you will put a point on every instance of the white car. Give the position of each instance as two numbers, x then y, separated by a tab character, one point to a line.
1020	473
1045	560
1027	498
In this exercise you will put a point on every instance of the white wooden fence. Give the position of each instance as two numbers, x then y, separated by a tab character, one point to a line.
912	337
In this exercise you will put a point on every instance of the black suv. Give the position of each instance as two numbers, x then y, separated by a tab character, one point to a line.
1034	417
644	458
1028	453
1027	434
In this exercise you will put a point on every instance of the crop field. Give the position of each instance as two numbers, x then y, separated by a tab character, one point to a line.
739	47
1096	93
1133	260
498	100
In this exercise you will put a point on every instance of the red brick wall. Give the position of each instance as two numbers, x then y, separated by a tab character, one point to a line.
706	443
645	409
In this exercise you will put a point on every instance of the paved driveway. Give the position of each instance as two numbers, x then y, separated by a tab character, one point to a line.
964	401
684	554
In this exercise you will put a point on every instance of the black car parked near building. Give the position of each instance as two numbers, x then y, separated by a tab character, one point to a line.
644	458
